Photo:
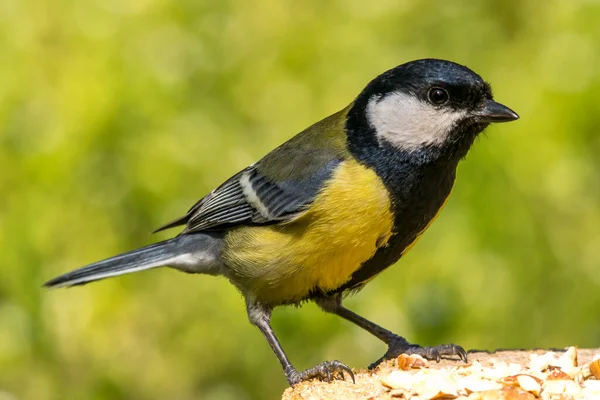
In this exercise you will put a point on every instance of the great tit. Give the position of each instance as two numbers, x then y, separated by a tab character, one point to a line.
327	211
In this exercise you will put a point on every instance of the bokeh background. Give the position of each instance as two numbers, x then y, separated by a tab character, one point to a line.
116	116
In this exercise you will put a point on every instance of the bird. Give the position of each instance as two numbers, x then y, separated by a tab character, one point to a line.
327	211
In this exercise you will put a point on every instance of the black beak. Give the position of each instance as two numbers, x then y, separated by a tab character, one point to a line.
496	112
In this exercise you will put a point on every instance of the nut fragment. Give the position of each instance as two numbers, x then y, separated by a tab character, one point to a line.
591	389
541	362
567	362
433	384
400	393
554	387
572	388
595	368
398	380
406	362
501	369
529	384
557	387
473	383
488	395
557	374
507	393
569	357
513	380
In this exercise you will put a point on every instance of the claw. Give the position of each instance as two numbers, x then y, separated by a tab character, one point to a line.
324	371
398	345
349	371
462	354
452	350
343	367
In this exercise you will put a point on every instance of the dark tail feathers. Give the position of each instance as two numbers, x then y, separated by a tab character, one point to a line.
188	253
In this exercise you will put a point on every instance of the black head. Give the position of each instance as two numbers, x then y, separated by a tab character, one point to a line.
428	105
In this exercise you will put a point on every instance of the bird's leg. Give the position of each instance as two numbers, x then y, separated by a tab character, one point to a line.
396	344
260	316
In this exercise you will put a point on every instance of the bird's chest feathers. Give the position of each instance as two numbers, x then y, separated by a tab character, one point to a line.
320	250
418	193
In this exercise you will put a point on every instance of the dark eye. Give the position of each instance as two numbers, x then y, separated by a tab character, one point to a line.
438	95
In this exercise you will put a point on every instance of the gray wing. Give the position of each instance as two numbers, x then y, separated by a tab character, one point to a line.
250	197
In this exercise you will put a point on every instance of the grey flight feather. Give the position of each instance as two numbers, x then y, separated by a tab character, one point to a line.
250	197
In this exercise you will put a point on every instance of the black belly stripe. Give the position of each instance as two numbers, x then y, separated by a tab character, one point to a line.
418	190
409	225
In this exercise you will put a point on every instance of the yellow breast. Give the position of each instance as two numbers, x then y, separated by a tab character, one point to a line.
348	220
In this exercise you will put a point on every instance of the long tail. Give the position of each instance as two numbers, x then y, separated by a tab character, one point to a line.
197	253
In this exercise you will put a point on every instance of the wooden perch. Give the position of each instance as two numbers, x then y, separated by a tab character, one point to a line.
510	375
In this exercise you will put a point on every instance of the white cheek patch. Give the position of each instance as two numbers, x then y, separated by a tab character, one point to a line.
408	123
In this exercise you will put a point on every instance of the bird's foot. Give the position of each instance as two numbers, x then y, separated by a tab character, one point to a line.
398	345
325	371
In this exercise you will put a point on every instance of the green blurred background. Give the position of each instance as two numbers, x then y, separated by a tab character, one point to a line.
116	116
